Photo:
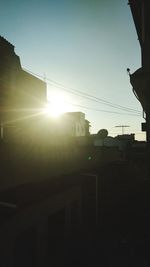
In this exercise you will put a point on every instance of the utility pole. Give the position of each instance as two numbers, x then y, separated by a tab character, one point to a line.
122	126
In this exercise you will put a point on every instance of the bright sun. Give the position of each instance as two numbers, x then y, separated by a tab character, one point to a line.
56	106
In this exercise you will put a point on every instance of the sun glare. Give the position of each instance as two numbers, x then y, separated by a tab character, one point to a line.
56	106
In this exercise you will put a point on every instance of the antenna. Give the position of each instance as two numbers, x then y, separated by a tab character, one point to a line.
122	126
44	77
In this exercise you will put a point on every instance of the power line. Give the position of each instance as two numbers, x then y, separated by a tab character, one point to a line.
85	95
102	110
93	98
88	96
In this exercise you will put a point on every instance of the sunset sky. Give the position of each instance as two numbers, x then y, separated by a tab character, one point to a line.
84	45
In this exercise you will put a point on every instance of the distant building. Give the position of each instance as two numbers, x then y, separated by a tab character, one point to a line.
120	141
125	140
87	128
107	142
126	137
70	124
75	124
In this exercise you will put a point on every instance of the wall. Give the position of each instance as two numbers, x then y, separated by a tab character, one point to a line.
20	92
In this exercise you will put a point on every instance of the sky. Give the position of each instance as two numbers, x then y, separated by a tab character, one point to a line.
84	45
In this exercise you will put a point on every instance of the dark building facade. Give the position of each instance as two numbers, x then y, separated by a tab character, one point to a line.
20	92
140	79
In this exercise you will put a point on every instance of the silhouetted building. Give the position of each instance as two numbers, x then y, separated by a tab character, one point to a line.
22	95
73	124
31	91
87	128
140	79
126	137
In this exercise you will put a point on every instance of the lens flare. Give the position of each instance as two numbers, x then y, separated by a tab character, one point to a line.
56	106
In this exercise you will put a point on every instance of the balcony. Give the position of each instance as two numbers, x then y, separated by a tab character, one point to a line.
140	81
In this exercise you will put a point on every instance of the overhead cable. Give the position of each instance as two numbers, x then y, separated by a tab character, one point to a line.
85	95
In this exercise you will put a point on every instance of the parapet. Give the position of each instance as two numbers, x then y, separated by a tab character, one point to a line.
4	44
